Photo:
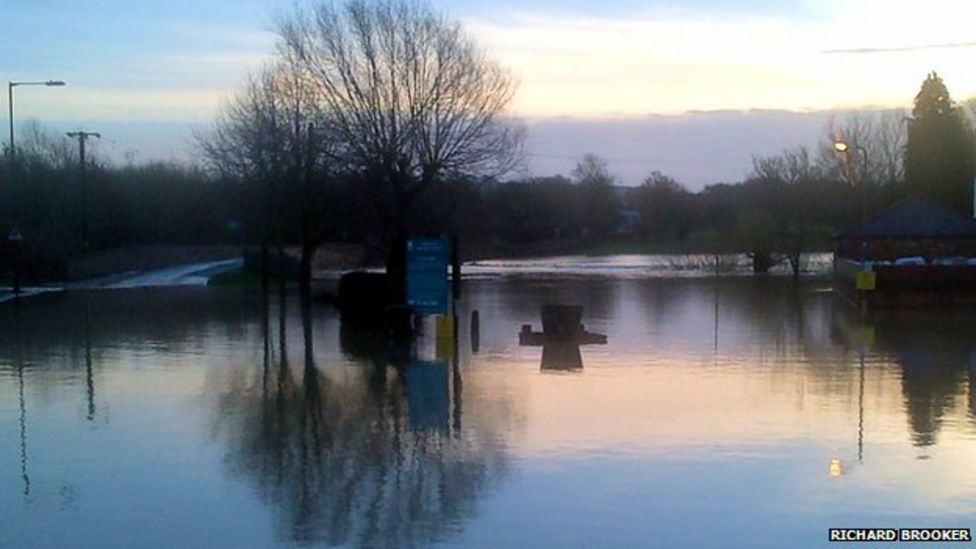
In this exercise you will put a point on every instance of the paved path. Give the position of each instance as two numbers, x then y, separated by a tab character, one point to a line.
190	274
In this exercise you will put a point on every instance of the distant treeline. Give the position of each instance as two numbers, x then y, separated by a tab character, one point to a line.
170	203
791	202
41	197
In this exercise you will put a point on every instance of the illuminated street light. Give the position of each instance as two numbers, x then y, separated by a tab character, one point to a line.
844	148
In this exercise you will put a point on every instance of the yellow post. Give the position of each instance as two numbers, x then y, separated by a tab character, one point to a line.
445	337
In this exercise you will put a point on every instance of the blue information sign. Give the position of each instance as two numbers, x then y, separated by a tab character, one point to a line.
427	260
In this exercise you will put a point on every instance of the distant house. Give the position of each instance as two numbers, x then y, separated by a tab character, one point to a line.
919	252
917	227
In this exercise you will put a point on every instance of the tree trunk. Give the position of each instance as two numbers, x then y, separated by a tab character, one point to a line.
761	262
305	282
396	265
305	181
265	264
282	267
397	231
309	243
266	236
794	259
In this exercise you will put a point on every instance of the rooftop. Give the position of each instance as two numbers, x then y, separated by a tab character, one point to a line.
916	218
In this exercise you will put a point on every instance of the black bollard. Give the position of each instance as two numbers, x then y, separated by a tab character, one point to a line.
475	331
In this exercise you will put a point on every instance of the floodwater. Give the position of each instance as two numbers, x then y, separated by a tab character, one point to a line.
729	412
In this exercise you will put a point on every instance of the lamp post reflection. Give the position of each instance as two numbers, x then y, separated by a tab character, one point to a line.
863	335
860	413
23	429
23	405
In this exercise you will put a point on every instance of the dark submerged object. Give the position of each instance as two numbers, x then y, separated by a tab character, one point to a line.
560	324
366	299
475	331
363	296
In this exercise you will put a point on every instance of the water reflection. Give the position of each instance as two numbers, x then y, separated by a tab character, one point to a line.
364	456
935	360
933	351
23	429
18	364
561	337
860	410
89	375
725	390
561	356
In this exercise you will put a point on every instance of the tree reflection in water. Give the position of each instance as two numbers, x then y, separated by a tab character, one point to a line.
343	459
934	352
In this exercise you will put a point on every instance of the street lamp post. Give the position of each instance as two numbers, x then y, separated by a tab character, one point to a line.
15	239
844	148
10	102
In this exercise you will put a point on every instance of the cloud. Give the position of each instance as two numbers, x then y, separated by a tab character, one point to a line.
905	48
687	61
732	83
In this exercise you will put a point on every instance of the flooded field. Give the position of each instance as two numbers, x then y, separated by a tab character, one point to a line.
729	412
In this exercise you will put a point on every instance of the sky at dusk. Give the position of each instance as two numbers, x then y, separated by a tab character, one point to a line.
692	88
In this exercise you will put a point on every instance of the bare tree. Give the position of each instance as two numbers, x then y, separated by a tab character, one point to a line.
787	189
883	136
39	145
602	206
243	145
592	170
792	166
273	134
311	155
412	98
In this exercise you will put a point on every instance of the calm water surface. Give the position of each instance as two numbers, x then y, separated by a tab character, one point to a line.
733	413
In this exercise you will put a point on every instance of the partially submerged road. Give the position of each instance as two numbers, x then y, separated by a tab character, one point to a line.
189	274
